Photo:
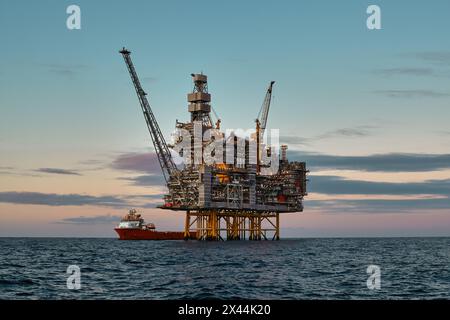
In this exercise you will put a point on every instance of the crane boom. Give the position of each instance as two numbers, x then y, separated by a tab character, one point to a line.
162	150
264	112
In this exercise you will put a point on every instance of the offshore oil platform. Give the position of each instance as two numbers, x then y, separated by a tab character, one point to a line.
231	187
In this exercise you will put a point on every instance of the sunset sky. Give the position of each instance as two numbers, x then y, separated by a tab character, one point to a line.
368	110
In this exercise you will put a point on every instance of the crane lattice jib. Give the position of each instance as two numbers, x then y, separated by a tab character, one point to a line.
264	112
162	150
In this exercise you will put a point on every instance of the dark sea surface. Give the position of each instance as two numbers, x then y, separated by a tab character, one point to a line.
411	268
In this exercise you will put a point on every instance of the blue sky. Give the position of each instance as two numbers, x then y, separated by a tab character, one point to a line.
320	52
66	98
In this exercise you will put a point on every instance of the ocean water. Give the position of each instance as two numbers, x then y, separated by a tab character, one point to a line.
411	268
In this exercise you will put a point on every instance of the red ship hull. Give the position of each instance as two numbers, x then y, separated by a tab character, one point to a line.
142	234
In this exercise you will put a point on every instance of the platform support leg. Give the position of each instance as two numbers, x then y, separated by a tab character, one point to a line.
187	225
277	226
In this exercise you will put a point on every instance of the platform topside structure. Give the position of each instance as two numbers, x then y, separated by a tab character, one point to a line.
231	187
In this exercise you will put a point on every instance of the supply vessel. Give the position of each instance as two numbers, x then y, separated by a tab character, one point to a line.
133	227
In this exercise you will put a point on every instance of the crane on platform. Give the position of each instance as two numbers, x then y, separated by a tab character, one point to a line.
264	111
261	123
165	159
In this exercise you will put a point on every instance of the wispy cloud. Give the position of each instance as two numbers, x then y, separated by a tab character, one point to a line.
378	206
339	185
6	170
146	201
378	196
444	132
58	171
437	57
434	62
91	162
390	162
102	219
146	180
354	132
65	70
134	198
410	94
137	162
404	71
143	163
295	140
18	172
51	199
